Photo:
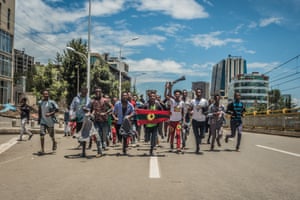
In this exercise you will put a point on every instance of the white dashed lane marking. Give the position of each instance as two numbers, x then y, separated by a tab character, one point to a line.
278	150
154	168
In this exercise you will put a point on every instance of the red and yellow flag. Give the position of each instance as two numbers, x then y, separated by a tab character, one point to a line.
145	116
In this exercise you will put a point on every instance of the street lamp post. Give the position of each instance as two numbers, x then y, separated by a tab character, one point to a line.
120	61
134	83
86	59
89	53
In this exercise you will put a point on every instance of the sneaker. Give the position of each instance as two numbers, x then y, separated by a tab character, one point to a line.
98	155
30	136
226	139
82	155
40	153
219	144
54	146
197	150
151	152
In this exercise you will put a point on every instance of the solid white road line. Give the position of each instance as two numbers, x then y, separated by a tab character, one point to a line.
7	145
154	169
278	150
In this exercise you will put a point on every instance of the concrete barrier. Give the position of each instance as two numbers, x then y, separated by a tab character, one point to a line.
13	122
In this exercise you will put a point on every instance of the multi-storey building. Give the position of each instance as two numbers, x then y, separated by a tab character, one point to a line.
22	62
252	87
7	19
118	68
224	72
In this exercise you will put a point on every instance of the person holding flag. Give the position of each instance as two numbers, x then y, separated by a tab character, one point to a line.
151	129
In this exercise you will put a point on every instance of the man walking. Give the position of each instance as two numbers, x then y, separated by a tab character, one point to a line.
25	116
46	119
216	112
123	109
199	108
176	108
152	129
81	105
236	110
100	108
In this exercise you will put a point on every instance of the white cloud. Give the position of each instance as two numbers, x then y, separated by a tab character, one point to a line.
159	70
262	66
208	3
211	39
268	21
170	29
238	28
55	27
252	25
149	64
106	7
187	9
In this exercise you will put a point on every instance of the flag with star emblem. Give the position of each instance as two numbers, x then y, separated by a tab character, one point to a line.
145	116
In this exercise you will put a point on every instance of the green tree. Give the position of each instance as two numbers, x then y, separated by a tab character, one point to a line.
68	69
101	75
48	77
126	86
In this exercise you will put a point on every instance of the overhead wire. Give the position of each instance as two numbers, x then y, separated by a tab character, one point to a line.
282	79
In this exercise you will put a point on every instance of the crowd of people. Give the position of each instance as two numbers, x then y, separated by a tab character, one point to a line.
109	121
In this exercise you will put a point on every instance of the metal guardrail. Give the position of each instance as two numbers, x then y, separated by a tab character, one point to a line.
283	120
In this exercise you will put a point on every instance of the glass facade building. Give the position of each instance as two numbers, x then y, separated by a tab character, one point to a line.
7	19
252	87
224	72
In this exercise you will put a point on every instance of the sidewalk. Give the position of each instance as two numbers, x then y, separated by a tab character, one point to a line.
12	126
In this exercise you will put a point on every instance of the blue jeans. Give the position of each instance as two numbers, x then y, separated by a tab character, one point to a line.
236	126
102	129
199	130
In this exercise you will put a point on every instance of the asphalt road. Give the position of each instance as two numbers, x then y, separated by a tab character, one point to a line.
267	167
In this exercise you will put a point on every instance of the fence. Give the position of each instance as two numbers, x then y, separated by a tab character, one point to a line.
283	120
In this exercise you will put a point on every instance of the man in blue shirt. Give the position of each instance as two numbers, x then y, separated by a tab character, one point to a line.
46	119
122	109
236	110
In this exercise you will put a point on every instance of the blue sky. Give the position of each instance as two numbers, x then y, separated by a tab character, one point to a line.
176	37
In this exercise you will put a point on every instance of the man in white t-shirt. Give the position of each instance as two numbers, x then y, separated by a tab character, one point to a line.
176	117
199	107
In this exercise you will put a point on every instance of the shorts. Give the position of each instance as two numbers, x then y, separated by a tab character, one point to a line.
44	129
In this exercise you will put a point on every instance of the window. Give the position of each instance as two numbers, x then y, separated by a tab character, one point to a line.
8	18
0	12
5	42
